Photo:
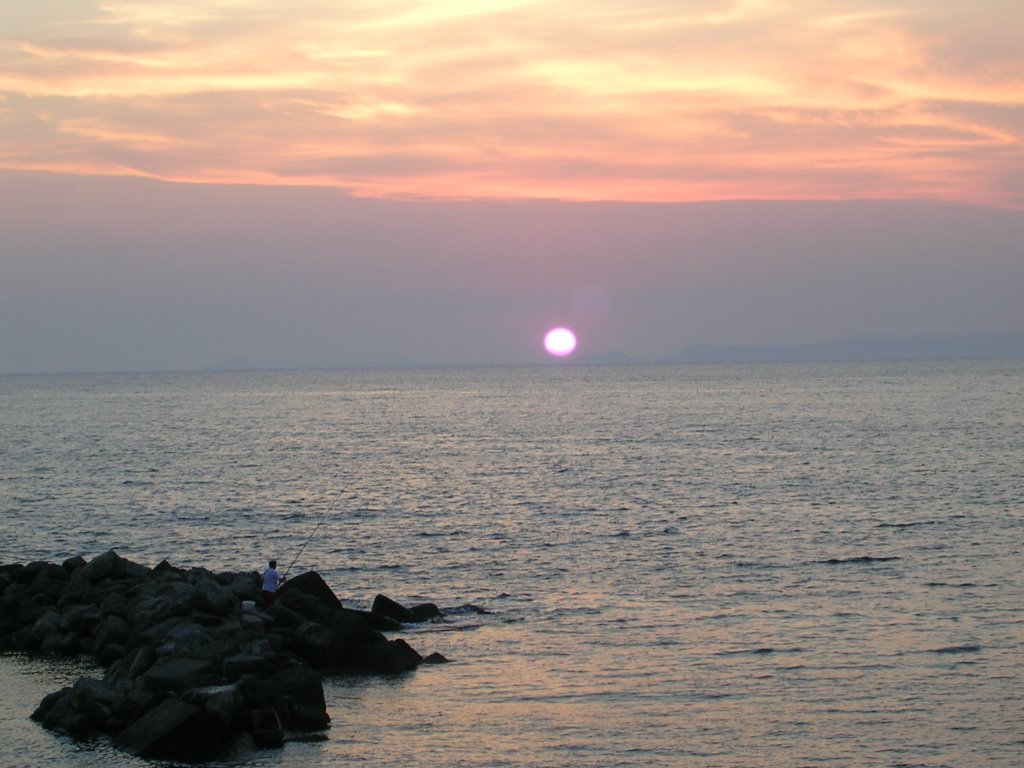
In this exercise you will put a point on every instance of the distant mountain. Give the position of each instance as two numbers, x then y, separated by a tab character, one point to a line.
863	348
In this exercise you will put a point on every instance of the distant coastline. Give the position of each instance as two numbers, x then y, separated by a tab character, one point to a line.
863	348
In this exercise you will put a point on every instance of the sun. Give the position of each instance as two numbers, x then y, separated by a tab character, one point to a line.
560	342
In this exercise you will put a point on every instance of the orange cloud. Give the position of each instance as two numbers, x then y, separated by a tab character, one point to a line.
581	100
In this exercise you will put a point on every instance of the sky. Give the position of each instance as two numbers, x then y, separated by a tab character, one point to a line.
323	183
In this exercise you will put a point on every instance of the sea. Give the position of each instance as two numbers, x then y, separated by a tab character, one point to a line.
672	565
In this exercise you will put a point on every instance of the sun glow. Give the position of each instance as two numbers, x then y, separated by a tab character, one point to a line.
560	342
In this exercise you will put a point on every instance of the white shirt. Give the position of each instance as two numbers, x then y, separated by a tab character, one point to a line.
270	580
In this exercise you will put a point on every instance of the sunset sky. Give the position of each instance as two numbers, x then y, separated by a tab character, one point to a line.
223	183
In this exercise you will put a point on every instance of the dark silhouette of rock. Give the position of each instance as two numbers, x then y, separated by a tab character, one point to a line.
195	668
390	657
385	606
173	730
310	583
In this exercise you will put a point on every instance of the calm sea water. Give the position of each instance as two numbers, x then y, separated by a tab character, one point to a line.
794	565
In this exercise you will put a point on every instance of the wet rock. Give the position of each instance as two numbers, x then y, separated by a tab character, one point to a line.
390	657
385	606
424	612
264	727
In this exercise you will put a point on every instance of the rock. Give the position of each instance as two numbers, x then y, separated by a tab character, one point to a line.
309	717
103	566
390	657
264	727
378	621
291	687
81	619
424	612
221	703
45	626
142	661
435	658
319	646
175	675
210	597
385	606
73	563
173	730
112	629
312	584
243	664
190	675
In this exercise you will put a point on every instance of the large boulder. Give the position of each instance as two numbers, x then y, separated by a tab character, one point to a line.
173	730
294	690
390	657
112	630
103	566
223	704
176	675
385	606
210	597
318	646
310	583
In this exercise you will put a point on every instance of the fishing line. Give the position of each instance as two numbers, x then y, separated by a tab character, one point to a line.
322	518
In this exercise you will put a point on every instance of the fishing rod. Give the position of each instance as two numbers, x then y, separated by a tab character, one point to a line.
321	522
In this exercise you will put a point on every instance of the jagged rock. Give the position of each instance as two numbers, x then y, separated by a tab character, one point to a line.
291	687
47	625
378	621
424	612
175	674
285	616
243	664
390	657
186	666
73	563
309	717
310	583
111	630
84	709
103	566
318	646
385	606
210	597
264	726
142	661
81	619
173	730
222	704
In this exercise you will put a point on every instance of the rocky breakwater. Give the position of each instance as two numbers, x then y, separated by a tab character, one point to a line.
195	668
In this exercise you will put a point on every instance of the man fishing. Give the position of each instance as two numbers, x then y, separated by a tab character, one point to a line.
269	583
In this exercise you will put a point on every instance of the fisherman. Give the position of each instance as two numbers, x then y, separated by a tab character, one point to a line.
269	583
